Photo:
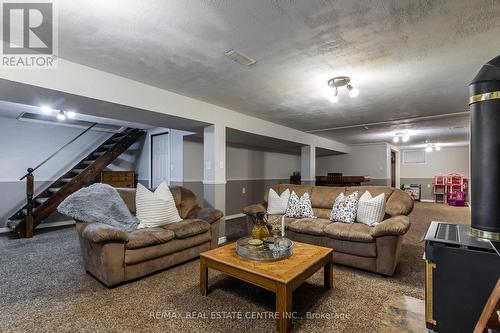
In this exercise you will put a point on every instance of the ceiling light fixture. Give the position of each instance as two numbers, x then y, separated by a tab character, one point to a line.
70	114
61	115
428	149
405	137
342	81
438	148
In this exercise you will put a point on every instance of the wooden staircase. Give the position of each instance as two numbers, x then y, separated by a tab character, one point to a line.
85	172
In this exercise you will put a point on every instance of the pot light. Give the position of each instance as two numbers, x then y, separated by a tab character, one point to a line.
61	115
353	92
395	139
46	110
342	81
70	114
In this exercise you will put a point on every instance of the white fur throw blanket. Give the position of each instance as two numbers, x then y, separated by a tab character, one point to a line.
99	203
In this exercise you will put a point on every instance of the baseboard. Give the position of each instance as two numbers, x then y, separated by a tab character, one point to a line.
426	200
234	216
222	240
43	225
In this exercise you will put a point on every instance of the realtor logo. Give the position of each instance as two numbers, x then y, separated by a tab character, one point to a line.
29	34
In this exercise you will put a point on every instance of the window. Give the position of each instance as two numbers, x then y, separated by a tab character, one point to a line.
414	157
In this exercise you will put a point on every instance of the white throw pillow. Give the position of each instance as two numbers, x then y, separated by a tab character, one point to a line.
276	204
155	209
299	208
371	210
344	208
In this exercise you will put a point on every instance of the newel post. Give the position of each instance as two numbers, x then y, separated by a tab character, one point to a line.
30	186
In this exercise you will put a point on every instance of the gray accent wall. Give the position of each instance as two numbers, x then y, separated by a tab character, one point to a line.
426	190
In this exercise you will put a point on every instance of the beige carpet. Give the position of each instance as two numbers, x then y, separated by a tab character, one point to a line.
44	288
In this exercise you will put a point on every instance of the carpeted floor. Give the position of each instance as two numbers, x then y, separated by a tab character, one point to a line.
44	288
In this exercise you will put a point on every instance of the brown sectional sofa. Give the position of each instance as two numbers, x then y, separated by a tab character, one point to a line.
114	256
357	245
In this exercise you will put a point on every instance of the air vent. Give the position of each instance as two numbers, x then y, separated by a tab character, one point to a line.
240	58
38	118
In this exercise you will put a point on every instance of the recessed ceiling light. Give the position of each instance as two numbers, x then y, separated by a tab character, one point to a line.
46	110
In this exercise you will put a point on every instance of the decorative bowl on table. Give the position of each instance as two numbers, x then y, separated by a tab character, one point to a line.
280	248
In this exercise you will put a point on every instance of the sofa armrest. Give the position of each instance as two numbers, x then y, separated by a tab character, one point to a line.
210	215
395	226
254	209
101	233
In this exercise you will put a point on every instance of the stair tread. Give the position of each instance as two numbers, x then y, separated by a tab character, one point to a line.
99	153
54	189
118	138
77	170
88	162
108	145
66	180
41	200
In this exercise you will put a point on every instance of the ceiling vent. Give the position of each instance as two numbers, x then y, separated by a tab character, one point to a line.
240	58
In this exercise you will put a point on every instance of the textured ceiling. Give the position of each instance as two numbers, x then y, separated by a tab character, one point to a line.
408	57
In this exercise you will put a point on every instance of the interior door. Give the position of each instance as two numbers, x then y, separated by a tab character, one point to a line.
393	168
159	159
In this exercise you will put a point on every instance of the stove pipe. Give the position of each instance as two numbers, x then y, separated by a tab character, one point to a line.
485	151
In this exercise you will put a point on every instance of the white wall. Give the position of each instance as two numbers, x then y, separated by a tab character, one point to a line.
448	160
363	160
193	161
25	144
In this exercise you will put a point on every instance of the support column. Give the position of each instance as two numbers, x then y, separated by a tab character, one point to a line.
214	169
308	165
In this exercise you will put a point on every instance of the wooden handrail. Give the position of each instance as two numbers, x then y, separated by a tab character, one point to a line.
30	189
54	154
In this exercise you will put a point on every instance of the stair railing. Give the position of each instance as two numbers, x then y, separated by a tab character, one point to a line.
30	184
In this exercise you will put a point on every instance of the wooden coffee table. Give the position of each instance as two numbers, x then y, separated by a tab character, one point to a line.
281	277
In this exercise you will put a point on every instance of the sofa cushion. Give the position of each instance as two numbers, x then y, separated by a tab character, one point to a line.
400	203
309	226
324	196
362	249
187	228
358	232
373	190
175	245
322	213
147	237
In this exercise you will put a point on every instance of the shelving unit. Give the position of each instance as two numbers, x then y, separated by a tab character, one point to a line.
446	187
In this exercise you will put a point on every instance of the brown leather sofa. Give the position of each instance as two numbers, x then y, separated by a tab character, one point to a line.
114	256
374	249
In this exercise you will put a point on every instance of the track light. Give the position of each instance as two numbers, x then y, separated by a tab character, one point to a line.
405	138
61	115
335	97
353	92
395	139
70	114
438	148
428	149
341	81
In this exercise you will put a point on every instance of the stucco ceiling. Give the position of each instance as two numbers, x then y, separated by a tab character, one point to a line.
408	57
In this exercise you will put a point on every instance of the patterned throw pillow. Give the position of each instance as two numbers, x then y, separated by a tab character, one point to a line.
345	208
371	210
299	208
156	208
277	204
